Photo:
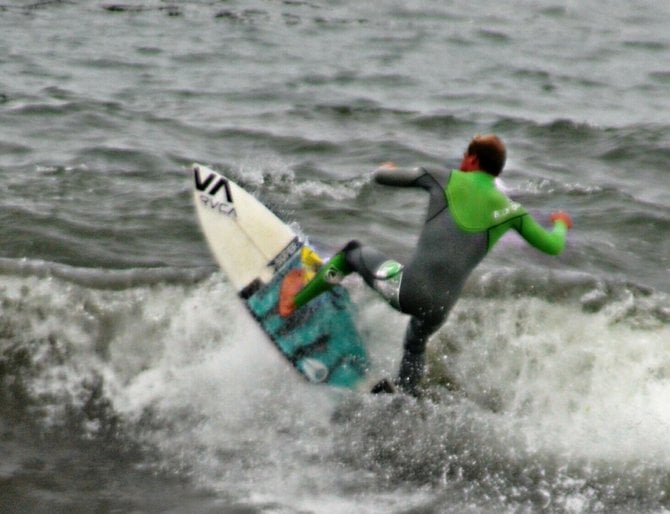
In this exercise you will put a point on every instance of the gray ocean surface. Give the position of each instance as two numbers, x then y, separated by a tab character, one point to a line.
131	378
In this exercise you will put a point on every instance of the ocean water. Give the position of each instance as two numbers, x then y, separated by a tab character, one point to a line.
132	380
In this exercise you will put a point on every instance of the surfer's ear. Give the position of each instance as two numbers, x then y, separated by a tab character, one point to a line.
470	162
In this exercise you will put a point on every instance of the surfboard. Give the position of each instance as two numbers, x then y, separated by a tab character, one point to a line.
256	250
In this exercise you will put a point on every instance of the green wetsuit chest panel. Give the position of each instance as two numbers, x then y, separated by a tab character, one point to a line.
476	204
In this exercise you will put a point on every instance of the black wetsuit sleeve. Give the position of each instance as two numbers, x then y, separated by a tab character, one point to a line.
413	177
433	181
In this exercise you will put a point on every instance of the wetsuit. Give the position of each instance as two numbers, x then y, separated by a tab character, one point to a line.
466	216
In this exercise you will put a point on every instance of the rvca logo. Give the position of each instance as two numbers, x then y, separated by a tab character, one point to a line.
209	187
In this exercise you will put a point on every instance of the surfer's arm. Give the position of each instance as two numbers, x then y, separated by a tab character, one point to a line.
551	242
389	175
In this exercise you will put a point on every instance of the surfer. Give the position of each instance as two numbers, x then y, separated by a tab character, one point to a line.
467	214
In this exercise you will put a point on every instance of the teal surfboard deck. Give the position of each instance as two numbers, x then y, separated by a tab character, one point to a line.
320	339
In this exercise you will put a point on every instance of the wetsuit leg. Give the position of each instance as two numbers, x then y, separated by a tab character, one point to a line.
373	266
382	274
413	358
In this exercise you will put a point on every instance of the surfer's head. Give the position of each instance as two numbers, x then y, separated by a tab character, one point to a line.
486	153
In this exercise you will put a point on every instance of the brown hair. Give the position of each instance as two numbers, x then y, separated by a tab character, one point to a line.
491	152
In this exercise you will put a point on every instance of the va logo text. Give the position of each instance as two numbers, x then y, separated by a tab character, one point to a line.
209	187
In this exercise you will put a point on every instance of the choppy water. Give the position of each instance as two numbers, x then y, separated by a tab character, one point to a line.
132	380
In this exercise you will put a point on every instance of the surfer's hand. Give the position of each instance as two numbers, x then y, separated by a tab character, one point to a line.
562	216
388	165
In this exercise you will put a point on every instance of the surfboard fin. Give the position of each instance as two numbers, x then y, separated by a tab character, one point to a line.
310	259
